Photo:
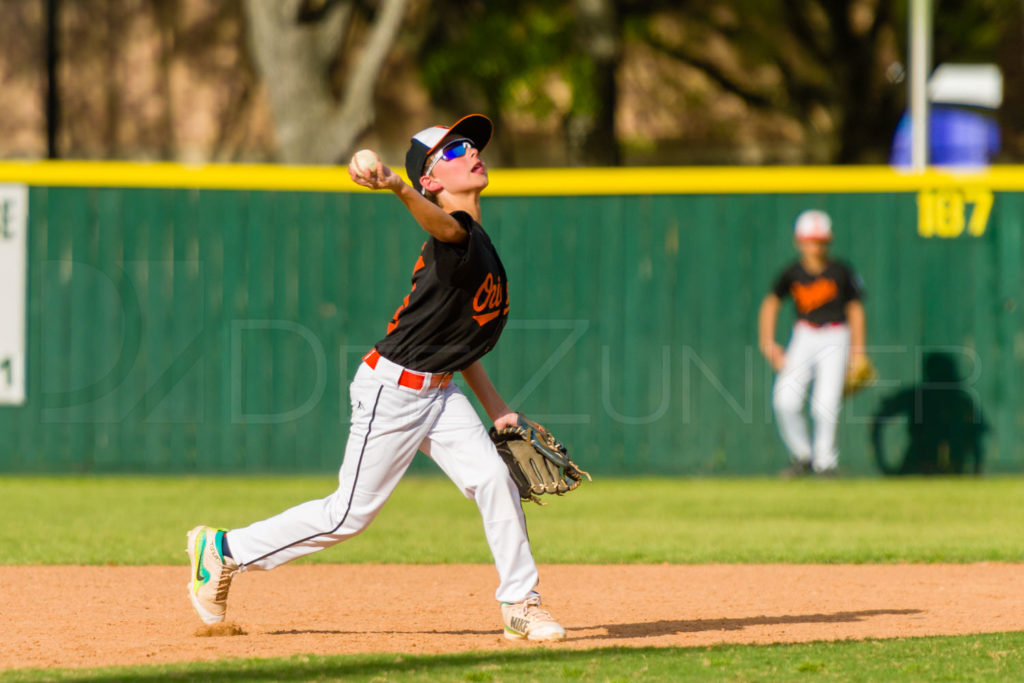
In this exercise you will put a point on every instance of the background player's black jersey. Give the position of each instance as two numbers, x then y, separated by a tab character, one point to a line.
457	307
820	299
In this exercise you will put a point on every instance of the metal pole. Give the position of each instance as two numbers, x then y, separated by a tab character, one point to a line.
52	82
920	66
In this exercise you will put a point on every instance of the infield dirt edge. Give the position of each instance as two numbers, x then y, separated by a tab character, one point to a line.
69	617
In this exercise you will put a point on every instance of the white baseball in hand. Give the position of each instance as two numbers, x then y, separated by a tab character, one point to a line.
365	161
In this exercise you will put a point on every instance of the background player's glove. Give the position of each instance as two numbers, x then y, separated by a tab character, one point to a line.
537	461
861	374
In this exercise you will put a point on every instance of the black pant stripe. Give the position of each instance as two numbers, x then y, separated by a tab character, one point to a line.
355	482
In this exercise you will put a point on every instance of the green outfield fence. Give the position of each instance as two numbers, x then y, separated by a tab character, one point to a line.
209	319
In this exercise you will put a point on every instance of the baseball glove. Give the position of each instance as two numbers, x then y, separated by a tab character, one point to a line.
861	374
537	461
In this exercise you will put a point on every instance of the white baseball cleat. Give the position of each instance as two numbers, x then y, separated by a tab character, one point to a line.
527	620
211	573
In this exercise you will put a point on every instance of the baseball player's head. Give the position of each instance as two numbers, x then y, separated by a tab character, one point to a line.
447	158
812	233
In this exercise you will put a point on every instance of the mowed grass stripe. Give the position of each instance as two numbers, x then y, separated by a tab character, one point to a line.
143	520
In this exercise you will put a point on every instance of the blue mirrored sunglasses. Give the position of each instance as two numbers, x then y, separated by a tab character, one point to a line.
453	150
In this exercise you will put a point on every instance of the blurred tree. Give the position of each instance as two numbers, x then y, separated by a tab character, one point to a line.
137	79
591	122
297	46
554	63
23	80
794	81
810	70
834	67
820	63
578	82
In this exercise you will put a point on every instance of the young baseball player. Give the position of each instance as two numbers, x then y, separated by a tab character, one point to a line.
828	335
403	399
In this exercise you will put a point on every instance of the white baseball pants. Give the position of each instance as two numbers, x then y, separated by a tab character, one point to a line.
818	355
390	423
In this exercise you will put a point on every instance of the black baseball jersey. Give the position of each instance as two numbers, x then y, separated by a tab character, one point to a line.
820	299
456	309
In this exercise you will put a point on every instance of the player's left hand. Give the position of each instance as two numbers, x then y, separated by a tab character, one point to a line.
860	373
509	419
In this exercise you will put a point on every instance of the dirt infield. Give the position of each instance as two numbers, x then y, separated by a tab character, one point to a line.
93	616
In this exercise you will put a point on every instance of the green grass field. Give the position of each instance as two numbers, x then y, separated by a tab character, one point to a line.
86	520
139	521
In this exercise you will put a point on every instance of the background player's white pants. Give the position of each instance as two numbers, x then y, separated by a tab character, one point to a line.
389	423
818	355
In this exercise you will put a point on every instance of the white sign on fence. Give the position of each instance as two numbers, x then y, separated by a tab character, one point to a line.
13	260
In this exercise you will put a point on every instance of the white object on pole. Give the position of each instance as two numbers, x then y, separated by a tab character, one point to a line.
920	64
975	85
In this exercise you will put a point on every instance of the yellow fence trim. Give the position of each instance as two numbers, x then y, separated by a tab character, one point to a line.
181	176
519	182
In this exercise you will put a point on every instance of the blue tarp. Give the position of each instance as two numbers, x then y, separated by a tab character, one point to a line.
958	136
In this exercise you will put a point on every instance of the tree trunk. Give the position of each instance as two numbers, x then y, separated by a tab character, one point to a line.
294	60
591	128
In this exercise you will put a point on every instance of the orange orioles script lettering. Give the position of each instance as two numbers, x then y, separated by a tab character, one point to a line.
489	299
814	294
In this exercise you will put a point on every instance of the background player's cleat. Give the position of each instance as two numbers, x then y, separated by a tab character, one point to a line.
796	470
211	573
528	620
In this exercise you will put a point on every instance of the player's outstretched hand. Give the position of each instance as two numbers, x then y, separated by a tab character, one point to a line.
368	170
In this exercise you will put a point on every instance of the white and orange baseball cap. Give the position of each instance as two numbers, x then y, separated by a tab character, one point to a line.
813	226
475	127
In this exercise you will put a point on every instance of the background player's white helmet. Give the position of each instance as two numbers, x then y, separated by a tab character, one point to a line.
813	225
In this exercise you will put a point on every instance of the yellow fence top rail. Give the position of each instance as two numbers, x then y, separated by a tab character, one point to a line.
519	182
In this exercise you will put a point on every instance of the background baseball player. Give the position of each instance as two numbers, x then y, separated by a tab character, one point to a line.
829	334
403	399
